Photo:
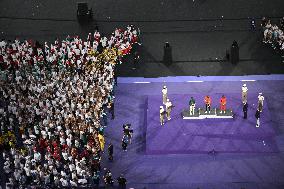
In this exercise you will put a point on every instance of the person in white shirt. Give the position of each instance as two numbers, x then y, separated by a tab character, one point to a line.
37	156
260	102
73	183
82	181
169	106
244	93
65	155
165	94
162	113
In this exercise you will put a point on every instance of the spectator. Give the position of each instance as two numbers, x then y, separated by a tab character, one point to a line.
274	35
51	131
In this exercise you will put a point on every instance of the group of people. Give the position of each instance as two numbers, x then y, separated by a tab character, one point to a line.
168	107
208	102
273	34
54	104
245	104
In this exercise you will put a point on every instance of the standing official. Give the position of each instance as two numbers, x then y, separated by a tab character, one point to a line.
162	113
169	106
191	106
165	94
207	101
244	93
245	110
260	102
257	116
110	152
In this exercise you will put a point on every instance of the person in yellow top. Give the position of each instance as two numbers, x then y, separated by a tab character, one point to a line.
102	142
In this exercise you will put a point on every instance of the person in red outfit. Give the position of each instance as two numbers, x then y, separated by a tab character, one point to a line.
223	102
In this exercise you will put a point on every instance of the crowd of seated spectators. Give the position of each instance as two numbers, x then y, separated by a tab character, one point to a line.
52	102
273	34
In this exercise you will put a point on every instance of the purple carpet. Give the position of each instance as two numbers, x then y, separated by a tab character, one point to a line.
202	136
179	161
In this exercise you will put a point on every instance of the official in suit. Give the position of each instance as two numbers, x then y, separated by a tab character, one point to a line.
245	110
257	116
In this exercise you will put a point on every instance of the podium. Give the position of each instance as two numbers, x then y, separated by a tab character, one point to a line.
214	114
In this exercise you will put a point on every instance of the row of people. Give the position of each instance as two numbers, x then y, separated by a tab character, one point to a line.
208	101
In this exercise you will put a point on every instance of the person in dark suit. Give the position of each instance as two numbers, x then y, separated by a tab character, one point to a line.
111	109
245	110
125	141
110	152
257	116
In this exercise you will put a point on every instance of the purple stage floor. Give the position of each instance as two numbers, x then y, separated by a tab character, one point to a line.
201	136
184	169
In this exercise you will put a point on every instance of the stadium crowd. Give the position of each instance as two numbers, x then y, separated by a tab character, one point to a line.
54	105
273	34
